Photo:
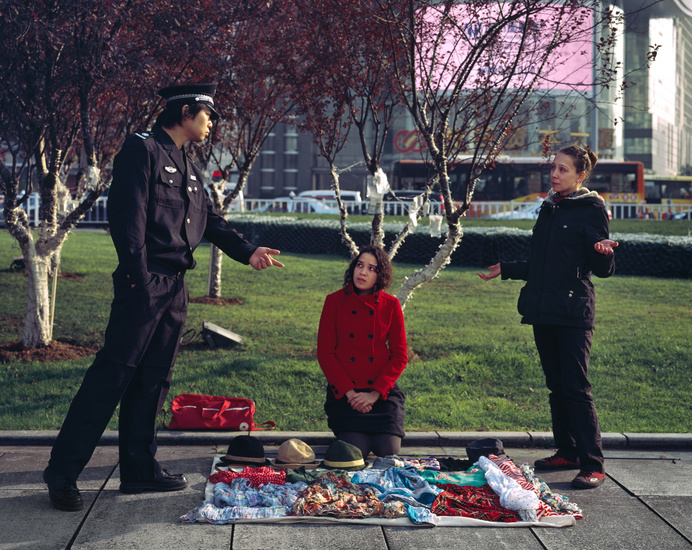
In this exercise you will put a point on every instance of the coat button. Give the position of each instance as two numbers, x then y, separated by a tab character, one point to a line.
352	359
188	220
351	335
371	359
372	312
189	189
170	181
370	382
354	312
195	188
370	336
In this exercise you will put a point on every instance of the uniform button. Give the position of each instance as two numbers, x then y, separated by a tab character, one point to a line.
170	181
371	359
188	220
351	335
195	189
189	189
352	359
370	336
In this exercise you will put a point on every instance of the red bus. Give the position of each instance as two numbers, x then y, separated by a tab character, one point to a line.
522	179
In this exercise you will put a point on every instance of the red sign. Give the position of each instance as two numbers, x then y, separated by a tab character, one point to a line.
409	141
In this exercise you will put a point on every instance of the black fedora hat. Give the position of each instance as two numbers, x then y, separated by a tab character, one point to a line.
245	450
484	447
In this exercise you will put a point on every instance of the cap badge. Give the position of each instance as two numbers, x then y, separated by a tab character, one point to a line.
170	169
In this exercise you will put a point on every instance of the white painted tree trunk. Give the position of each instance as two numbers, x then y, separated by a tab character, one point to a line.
38	323
437	264
215	265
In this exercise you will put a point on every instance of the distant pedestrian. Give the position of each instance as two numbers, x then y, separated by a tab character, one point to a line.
158	213
361	348
570	242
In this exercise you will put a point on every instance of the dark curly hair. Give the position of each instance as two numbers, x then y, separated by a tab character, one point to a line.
584	159
384	267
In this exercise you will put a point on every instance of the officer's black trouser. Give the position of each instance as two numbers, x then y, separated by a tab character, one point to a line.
134	368
565	353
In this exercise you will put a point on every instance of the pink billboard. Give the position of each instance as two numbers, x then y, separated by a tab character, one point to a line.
555	40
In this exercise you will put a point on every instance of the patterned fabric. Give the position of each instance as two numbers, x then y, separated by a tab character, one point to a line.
544	509
208	513
336	497
257	476
511	494
402	484
558	503
474	477
472	502
241	493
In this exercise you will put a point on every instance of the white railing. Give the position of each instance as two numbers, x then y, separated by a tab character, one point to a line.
479	209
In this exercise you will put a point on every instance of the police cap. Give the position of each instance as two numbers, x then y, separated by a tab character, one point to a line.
188	94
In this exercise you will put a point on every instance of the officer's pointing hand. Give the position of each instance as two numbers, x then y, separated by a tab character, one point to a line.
262	258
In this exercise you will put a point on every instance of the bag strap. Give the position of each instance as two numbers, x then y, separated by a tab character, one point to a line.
162	416
222	409
270	425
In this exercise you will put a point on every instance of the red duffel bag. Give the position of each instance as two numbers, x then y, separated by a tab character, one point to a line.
190	411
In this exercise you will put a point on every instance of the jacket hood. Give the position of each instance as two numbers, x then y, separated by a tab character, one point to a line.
582	194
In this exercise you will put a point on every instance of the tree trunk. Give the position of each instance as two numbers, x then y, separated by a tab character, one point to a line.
215	264
37	323
437	264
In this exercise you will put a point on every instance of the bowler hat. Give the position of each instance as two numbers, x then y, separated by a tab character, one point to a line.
245	450
293	454
343	456
484	447
187	94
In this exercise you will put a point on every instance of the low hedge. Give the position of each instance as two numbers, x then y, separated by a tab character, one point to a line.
637	254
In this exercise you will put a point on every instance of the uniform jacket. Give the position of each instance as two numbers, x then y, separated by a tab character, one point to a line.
558	286
159	211
361	343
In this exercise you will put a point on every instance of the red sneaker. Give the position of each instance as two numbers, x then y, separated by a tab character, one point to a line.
556	462
588	480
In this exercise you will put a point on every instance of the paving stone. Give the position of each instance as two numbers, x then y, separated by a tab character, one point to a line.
653	477
461	538
304	536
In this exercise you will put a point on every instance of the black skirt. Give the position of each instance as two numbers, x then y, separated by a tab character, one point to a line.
386	417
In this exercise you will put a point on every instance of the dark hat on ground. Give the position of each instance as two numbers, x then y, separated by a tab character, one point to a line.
484	447
245	450
343	456
188	94
293	454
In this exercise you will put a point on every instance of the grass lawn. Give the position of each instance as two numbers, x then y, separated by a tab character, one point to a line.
473	366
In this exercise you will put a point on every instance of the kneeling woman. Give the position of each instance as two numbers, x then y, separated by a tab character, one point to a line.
361	348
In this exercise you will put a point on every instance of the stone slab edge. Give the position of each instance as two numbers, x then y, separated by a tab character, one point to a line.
540	440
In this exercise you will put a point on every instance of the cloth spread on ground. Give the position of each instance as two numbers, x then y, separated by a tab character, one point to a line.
400	495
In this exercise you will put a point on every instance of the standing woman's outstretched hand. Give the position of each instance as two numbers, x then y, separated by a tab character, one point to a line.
605	246
494	272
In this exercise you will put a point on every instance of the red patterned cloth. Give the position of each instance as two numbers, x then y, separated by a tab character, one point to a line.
472	502
257	476
513	472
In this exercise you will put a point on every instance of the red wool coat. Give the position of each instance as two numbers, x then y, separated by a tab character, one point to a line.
361	343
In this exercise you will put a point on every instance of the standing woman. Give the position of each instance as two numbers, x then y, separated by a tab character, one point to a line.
570	242
361	348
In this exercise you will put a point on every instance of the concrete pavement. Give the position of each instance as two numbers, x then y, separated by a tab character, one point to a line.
646	502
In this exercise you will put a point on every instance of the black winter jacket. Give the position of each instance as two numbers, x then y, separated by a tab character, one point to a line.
558	288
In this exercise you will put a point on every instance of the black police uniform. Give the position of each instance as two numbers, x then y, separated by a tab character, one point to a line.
158	213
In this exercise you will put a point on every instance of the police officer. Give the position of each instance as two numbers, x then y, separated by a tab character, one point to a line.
158	213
